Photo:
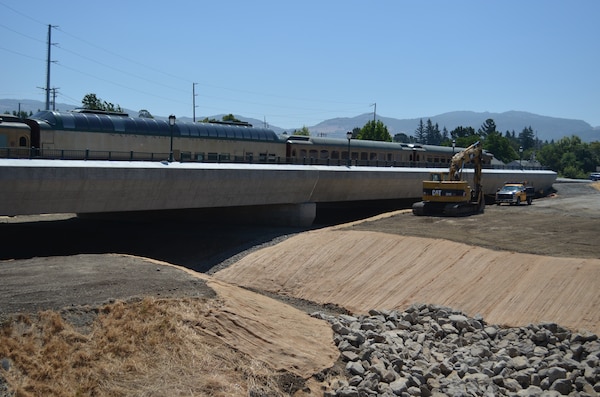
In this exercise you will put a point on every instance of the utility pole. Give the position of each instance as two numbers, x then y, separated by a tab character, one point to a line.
194	100
374	115
48	62
54	97
374	112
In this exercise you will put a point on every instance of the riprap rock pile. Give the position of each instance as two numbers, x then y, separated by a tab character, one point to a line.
430	350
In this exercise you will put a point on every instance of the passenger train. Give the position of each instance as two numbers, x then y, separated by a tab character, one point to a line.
108	135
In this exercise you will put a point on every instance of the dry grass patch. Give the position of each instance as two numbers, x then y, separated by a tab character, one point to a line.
150	347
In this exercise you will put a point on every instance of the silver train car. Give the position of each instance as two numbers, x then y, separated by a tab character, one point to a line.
106	135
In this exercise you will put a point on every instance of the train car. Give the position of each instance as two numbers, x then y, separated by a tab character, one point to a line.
15	136
116	136
118	133
318	150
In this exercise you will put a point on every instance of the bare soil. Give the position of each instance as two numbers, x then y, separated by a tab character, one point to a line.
564	224
513	265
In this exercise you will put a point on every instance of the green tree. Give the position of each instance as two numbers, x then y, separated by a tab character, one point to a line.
403	138
570	157
420	134
144	114
374	131
487	128
464	136
527	138
92	102
432	134
500	146
231	117
22	114
304	131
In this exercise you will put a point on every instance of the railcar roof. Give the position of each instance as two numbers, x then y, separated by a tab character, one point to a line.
354	142
121	124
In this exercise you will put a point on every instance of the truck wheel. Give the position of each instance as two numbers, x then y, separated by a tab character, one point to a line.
518	201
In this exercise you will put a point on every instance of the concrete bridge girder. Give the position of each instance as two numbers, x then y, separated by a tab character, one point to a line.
67	186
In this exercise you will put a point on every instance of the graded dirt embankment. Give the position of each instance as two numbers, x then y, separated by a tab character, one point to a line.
362	270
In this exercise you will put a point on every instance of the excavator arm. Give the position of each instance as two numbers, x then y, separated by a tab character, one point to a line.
474	155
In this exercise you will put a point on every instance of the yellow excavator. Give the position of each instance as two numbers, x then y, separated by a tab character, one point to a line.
448	194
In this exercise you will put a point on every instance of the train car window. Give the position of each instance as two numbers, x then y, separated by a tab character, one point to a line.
269	136
81	122
183	129
107	124
302	153
118	123
130	126
335	155
153	127
324	154
389	157
313	154
23	141
363	155
199	130
68	121
373	156
140	126
94	122
192	129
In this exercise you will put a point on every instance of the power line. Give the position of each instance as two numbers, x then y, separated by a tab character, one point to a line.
304	110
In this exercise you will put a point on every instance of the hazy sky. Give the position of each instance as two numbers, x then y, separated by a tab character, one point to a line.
295	63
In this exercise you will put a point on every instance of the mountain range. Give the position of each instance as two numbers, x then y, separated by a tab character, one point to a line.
545	127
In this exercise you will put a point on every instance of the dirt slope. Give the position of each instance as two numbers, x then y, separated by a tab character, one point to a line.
392	261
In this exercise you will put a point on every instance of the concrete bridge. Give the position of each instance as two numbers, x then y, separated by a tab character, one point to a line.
283	194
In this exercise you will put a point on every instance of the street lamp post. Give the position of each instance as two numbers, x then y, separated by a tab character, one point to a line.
521	156
349	136
453	146
171	124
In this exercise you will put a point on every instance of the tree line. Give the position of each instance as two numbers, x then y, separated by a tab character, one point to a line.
570	157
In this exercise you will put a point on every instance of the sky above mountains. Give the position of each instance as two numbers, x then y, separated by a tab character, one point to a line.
298	63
